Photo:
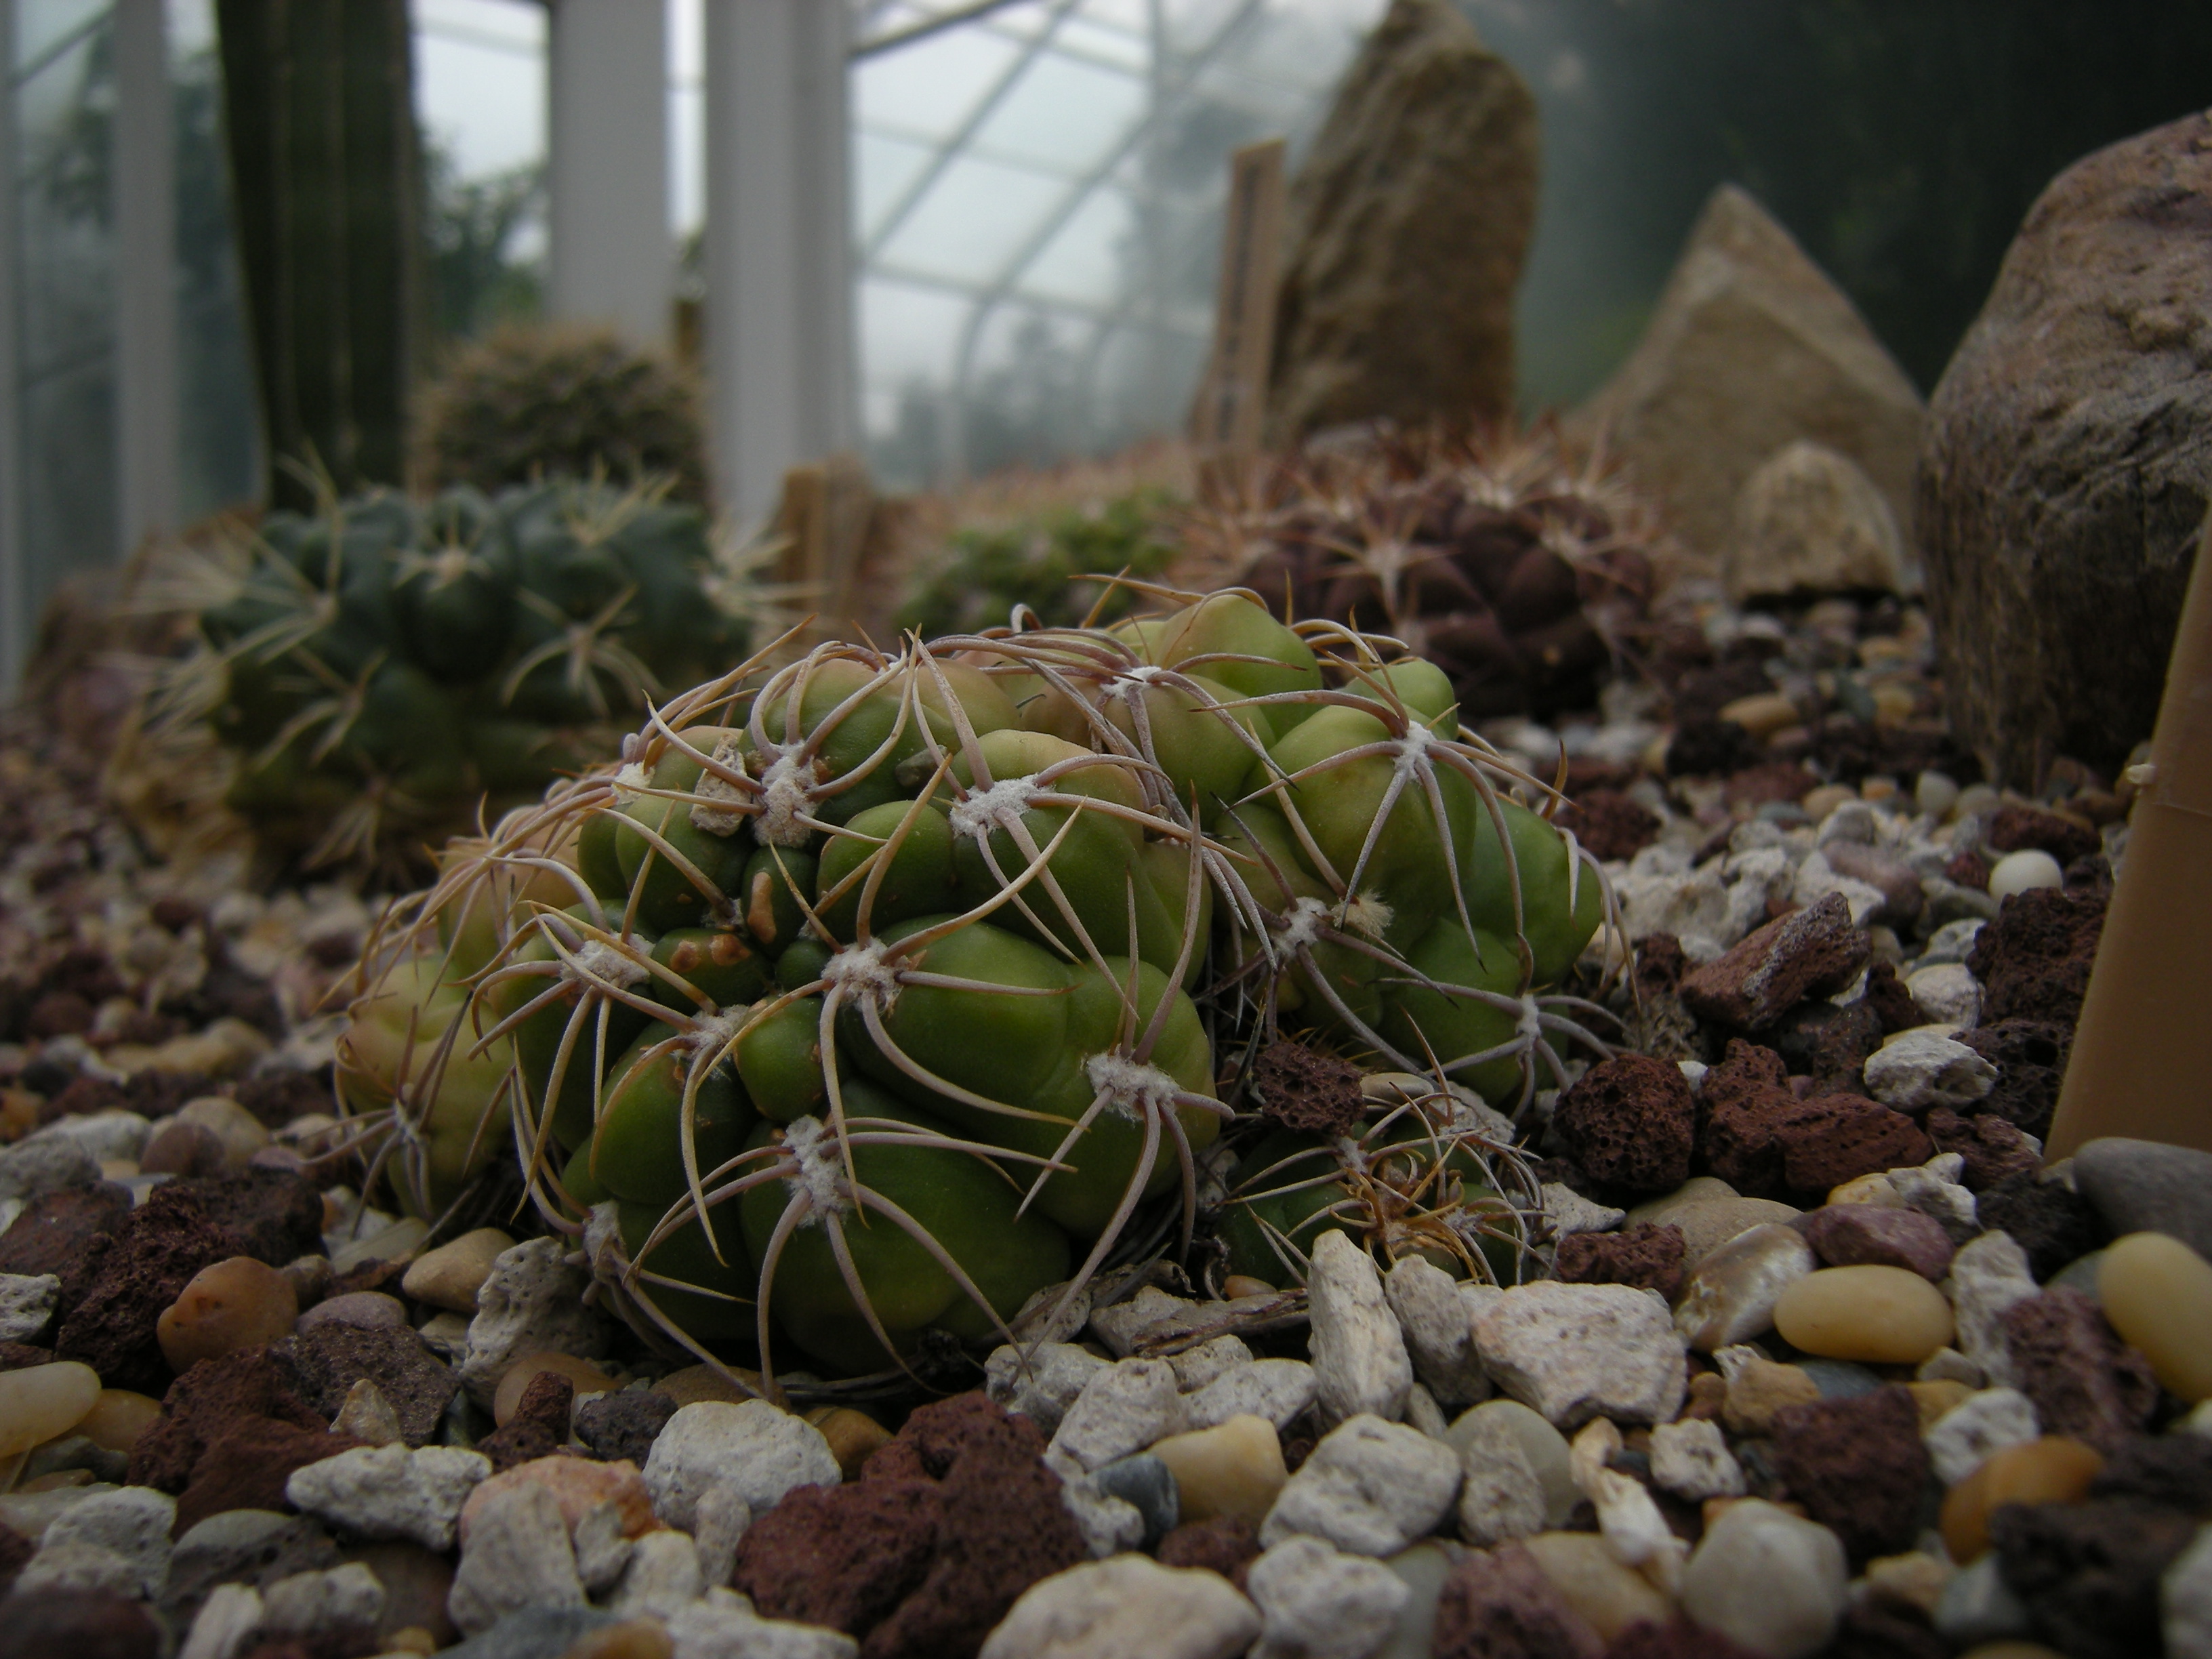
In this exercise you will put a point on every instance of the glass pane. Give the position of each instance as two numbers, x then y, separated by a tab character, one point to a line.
69	478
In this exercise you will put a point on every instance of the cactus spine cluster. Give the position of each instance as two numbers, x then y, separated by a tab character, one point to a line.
873	994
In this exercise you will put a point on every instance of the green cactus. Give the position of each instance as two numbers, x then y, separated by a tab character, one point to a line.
378	669
871	994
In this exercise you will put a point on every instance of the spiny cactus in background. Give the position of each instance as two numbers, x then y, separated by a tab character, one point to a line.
1518	575
984	571
373	670
873	996
537	402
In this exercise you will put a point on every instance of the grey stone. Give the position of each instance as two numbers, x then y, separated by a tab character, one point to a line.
724	1626
2068	461
757	1450
1730	1298
1543	1447
2148	1187
1767	1580
1988	1276
518	1556
1043	1383
392	1492
132	1522
1691	1459
106	1137
1369	1487
1147	1485
1277	1389
662	1577
333	1601
1576	1351
1109	1525
602	1549
1124	1408
1935	1190
1408	222
1438	1331
27	1302
1359	1358
2184	1598
227	1621
255	1547
1962	1439
720	1518
1126	1606
1317	1602
1500	1498
532	1303
1978	1606
1750	347
1922	1069
34	1168
1196	1367
74	1566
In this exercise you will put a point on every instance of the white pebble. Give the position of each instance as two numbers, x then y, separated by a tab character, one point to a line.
1962	1439
1919	1069
27	1302
533	1302
755	1449
1576	1351
392	1492
1946	994
1767	1580
1691	1459
1987	1275
1042	1382
518	1556
1318	1603
661	1578
2184	1600
133	1522
1359	1358
1277	1389
1123	1409
1369	1487
1128	1605
2016	872
1439	1332
1934	795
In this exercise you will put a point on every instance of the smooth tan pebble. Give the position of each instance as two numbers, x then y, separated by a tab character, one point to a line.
2051	1470
450	1276
1876	1189
587	1377
239	1134
1874	1315
635	1639
695	1383
118	1418
2158	1293
1609	1596
1238	1285
853	1435
1233	1468
42	1402
235	1304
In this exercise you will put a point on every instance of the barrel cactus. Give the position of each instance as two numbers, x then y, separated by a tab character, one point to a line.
376	670
874	995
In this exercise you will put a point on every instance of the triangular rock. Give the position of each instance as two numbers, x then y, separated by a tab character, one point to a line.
1751	347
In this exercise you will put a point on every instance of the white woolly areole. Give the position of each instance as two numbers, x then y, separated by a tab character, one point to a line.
1303	926
784	801
813	1146
712	785
1531	1022
1369	913
1131	1087
603	962
1351	1155
985	810
630	783
862	972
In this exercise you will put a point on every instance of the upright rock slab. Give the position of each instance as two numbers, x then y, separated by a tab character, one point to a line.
1408	224
2069	459
1752	348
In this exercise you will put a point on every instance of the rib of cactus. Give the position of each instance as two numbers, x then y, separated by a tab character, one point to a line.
1421	1178
869	992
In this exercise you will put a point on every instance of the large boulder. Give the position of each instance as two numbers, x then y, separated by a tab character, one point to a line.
1751	348
1407	225
2068	458
1809	520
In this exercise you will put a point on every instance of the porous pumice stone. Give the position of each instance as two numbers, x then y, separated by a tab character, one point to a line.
2053	1469
2158	1293
1874	1315
40	1402
238	1303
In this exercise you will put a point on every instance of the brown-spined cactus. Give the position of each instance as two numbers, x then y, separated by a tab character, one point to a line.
872	995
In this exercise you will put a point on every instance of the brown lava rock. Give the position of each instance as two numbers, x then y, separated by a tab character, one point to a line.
2084	1380
1828	1044
1994	1147
1764	1141
1858	1467
1776	781
950	1520
15	1551
1498	1604
58	1231
2089	1572
1676	1639
331	1358
539	1426
167	1239
1873	1630
2013	827
21	1356
1302	1089
624	1425
2173	1471
78	1624
1646	1254
278	1215
208	1401
2051	1221
1629	1122
2033	961
1812	952
1610	824
1854	1234
1891	1002
1225	1544
2030	1055
246	1468
1745	1069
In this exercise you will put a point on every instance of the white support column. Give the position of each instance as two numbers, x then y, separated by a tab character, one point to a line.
16	622
607	138
144	172
779	263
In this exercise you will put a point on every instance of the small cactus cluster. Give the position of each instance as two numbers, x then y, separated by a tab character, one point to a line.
526	403
375	669
1518	575
986	570
874	996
